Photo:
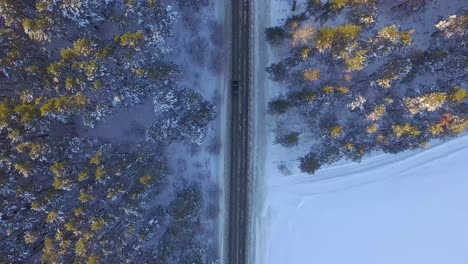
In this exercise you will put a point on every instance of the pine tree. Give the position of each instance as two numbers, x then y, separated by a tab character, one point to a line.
458	95
279	106
275	35
288	140
309	164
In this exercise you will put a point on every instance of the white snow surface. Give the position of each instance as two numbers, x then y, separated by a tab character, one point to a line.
408	208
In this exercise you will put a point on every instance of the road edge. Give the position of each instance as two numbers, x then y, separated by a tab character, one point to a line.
223	226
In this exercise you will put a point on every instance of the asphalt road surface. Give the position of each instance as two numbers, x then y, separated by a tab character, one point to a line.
239	167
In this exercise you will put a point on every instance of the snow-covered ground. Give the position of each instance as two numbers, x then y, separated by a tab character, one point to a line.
409	210
405	208
202	52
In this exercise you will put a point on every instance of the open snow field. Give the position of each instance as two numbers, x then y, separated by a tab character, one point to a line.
411	210
408	208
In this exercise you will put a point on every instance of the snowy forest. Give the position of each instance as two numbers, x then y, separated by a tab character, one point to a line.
366	75
66	66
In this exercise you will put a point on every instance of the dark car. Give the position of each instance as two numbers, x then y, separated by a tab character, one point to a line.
235	87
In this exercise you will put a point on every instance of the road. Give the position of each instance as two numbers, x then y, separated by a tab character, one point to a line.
238	201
